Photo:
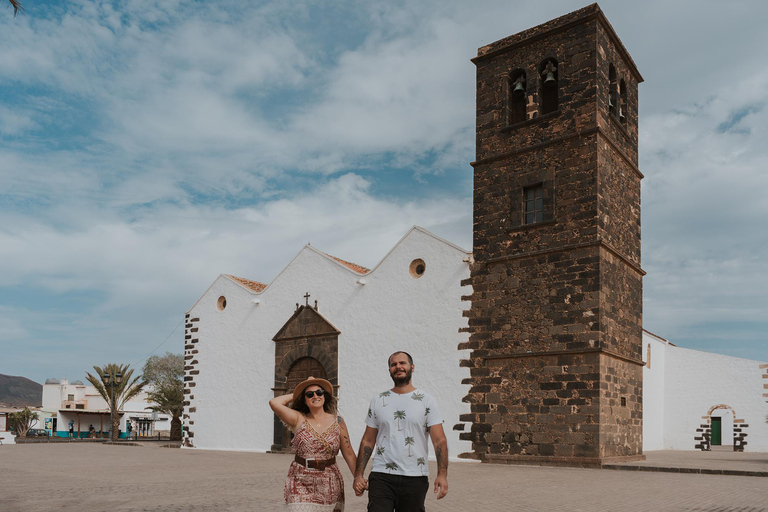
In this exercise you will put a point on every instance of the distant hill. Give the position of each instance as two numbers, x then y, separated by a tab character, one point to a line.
20	392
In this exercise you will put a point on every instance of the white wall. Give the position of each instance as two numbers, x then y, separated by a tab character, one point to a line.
653	391
392	311
695	381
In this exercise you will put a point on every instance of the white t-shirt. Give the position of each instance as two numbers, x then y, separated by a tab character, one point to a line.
403	423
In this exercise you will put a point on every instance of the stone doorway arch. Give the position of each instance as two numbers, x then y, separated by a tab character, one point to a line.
703	437
307	345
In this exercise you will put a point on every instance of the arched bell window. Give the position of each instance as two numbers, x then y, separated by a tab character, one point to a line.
549	89
623	102
517	97
613	91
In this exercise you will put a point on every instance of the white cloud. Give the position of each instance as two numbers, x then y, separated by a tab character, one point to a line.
147	146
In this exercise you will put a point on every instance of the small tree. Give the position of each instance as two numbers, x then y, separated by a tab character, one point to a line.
22	421
117	395
165	374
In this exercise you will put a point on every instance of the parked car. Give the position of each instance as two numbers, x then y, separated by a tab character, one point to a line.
36	432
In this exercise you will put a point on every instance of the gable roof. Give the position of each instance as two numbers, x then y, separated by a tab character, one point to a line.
352	266
306	322
259	287
251	285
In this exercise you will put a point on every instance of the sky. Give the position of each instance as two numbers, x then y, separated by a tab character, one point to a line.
148	146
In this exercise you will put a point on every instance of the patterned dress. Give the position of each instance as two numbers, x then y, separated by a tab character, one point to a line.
312	490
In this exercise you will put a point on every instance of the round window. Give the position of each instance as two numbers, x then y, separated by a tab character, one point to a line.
417	268
222	303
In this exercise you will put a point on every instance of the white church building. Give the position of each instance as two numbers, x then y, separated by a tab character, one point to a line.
247	341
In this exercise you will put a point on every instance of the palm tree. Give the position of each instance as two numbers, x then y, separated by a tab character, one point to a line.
16	7
409	442
421	462
399	415
169	399
119	392
417	396
383	396
380	450
390	466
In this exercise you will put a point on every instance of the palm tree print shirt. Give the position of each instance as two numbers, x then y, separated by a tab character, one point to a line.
403	422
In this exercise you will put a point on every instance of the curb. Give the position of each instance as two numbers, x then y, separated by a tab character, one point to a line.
698	471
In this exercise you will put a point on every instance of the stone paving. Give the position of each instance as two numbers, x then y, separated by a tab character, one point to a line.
96	477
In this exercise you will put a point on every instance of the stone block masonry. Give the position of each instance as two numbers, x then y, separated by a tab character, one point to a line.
191	371
555	319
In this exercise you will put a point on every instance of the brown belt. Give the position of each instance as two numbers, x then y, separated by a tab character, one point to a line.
315	463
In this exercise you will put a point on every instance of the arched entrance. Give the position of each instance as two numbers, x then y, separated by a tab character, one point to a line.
306	346
721	429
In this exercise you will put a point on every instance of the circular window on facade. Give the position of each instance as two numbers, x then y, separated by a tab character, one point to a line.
221	303
417	268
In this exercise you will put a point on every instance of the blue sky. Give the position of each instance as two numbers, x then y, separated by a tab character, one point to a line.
148	146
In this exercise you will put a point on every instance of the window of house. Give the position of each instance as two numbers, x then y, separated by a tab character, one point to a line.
71	397
79	406
613	96
534	204
623	102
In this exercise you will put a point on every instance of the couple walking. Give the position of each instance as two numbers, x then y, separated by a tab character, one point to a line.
397	425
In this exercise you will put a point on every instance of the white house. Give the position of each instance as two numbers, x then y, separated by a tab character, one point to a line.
64	402
247	341
694	399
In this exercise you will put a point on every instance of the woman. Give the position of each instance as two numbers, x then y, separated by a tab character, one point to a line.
314	482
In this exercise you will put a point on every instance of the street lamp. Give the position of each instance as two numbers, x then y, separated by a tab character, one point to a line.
112	382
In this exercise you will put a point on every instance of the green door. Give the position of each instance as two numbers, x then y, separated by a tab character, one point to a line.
717	432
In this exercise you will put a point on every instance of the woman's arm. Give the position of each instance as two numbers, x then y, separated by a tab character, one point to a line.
346	447
290	417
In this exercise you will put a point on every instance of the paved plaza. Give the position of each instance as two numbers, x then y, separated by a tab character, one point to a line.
82	476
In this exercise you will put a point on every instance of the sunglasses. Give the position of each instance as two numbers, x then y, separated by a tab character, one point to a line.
310	394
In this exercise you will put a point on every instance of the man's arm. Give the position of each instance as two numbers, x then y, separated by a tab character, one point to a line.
437	434
363	455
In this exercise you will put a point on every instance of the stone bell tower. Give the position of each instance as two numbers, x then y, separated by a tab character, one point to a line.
556	313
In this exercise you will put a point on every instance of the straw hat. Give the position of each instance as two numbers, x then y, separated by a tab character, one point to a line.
311	381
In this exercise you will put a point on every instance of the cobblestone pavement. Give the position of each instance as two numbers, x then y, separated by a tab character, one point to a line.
95	477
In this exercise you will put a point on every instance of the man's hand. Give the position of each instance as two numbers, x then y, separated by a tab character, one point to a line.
360	485
441	486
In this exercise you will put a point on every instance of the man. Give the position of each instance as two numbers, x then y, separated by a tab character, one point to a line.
397	425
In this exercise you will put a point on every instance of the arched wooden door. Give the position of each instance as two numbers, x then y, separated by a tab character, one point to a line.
300	371
303	369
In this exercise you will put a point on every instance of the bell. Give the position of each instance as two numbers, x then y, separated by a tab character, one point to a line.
621	114
610	102
550	79
519	90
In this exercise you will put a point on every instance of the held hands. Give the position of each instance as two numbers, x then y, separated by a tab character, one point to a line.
441	486
360	485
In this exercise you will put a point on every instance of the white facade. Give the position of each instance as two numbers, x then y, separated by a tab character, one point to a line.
684	389
386	309
85	406
377	313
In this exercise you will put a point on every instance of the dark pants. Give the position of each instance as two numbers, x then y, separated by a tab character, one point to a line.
388	493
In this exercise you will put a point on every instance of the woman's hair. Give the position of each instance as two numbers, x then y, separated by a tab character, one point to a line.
329	405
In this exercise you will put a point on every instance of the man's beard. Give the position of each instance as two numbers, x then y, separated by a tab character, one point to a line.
402	379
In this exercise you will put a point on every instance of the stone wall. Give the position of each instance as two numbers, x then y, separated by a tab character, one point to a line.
191	340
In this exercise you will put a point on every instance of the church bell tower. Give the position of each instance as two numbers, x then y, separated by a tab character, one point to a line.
556	312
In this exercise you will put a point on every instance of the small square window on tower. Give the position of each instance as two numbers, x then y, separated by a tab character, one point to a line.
534	204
